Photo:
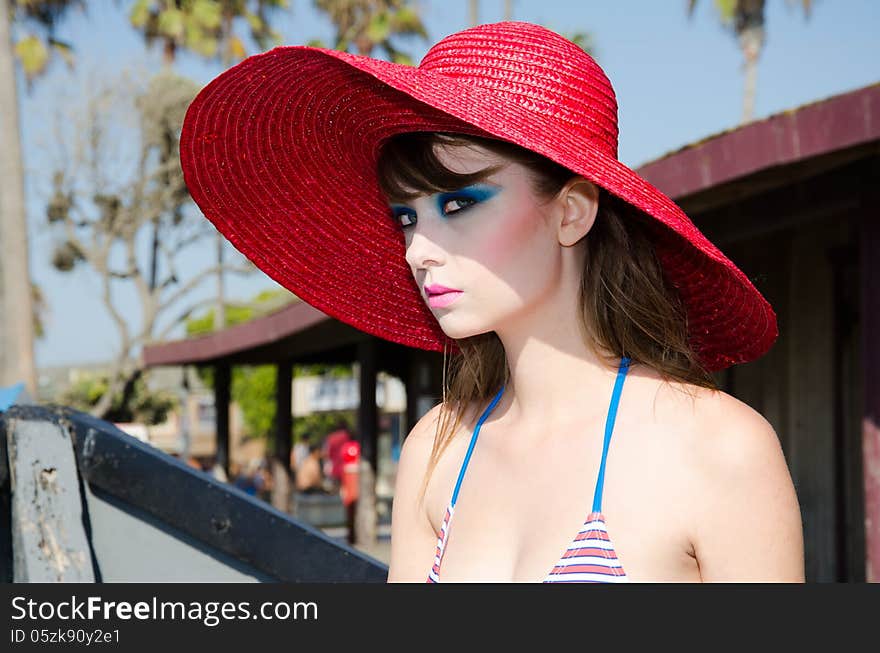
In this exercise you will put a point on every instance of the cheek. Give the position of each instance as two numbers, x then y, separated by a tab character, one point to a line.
520	252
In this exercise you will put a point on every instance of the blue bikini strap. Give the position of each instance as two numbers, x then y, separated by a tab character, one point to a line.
467	456
609	427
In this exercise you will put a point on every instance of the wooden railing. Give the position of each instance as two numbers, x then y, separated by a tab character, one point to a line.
82	501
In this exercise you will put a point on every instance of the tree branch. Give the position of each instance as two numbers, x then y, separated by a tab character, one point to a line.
128	274
147	299
114	314
186	242
185	315
201	276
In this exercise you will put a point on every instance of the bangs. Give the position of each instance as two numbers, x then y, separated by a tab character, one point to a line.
408	165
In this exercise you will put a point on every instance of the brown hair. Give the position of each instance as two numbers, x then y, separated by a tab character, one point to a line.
629	309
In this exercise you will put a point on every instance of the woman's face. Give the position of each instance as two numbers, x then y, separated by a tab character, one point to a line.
494	244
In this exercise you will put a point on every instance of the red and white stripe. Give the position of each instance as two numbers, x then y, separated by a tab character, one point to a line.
590	558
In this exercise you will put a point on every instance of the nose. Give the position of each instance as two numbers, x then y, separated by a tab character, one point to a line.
423	247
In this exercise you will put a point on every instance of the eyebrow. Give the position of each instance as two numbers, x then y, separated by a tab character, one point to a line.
403	200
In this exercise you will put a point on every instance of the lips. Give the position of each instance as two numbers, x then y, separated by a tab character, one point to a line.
437	289
441	296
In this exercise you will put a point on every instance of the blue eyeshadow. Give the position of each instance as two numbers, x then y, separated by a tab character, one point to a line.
476	192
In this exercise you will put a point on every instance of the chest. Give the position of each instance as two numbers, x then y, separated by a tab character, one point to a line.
520	514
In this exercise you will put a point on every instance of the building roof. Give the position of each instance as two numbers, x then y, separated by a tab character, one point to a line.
273	328
791	136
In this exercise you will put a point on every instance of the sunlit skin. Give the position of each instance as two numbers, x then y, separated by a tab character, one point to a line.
676	482
518	261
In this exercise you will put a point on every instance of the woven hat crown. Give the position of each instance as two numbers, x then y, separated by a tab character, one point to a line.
533	68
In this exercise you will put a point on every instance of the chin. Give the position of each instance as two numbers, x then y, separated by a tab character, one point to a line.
460	329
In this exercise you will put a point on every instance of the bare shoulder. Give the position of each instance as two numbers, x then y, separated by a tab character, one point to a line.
739	483
720	436
424	429
731	436
419	445
412	537
415	452
710	422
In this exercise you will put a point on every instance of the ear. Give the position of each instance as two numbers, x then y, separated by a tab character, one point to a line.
579	202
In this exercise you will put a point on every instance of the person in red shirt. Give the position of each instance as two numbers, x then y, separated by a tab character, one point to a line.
349	490
334	443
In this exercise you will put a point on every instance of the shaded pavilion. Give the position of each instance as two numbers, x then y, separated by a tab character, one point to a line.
793	200
299	334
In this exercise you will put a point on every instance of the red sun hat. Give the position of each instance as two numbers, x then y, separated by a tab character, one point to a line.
280	153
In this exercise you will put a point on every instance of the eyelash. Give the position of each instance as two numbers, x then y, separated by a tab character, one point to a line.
457	198
402	214
454	198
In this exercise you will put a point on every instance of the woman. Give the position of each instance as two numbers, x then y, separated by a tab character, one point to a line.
475	205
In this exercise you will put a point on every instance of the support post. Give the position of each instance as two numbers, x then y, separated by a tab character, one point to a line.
870	309
365	516
281	474
222	382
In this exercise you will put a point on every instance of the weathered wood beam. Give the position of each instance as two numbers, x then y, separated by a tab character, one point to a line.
49	542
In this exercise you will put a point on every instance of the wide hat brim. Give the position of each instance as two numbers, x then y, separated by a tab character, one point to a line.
280	154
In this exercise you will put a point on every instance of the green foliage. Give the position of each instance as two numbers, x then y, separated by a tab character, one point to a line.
206	27
140	13
583	40
726	10
368	24
235	314
145	406
731	13
379	27
313	428
33	55
406	20
32	50
255	22
253	388
171	23
206	14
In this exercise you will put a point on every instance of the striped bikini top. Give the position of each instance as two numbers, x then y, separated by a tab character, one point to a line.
590	557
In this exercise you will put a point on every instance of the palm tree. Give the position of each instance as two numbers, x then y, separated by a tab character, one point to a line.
205	27
746	19
369	24
16	293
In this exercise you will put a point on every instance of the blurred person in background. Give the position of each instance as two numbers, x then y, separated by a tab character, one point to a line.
299	452
334	443
309	479
263	480
244	479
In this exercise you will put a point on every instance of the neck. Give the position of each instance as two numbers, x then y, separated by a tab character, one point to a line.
549	377
555	377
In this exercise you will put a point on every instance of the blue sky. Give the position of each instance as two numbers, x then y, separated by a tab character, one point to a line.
677	81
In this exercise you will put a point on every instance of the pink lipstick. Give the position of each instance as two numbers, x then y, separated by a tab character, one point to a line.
441	296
